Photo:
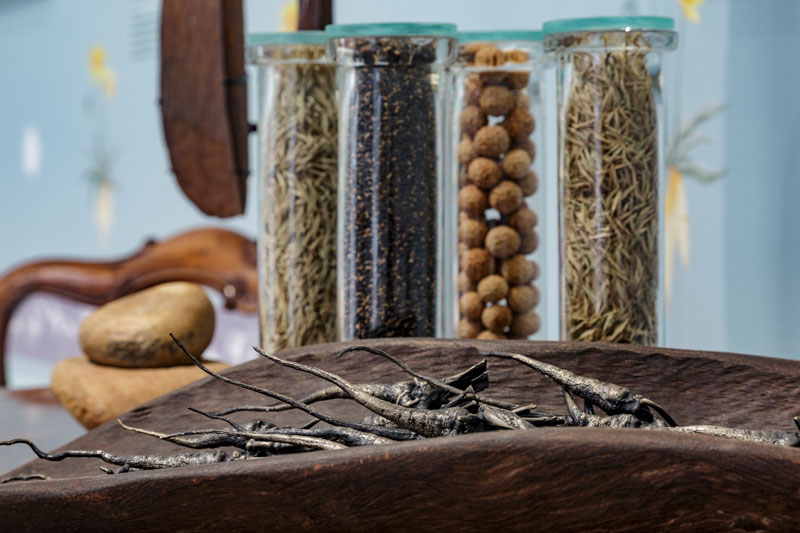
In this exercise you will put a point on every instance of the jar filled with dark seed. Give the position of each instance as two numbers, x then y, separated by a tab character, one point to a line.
610	152
297	180
496	188
392	102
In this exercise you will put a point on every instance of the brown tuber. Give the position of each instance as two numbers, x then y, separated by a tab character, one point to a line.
492	289
472	119
515	163
477	263
470	305
489	55
472	89
523	298
496	318
484	172
502	241
497	100
525	324
518	270
526	145
506	197
491	141
472	200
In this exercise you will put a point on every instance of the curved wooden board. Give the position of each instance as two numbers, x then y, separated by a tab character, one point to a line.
204	101
562	478
218	258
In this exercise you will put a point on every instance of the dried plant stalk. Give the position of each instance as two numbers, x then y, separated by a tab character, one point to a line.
298	247
610	199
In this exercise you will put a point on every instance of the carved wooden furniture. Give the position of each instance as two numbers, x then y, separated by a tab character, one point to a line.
547	478
218	258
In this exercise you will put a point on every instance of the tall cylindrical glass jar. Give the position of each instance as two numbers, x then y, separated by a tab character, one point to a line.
297	129
392	101
495	183
610	158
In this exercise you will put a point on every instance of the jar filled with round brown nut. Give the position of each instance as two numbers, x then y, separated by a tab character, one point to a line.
497	196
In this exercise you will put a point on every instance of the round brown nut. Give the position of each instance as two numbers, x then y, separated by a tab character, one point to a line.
487	335
506	197
526	324
528	243
502	241
470	305
472	232
466	152
477	263
497	100
462	249
523	298
522	100
491	141
484	172
515	163
473	86
517	56
496	318
519	123
472	200
525	145
464	283
529	183
517	79
492	288
469	329
518	270
472	119
523	220
489	55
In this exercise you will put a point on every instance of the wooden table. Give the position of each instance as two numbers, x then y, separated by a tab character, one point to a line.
33	414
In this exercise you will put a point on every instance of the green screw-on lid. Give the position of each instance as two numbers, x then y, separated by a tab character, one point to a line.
499	36
608	23
394	28
288	37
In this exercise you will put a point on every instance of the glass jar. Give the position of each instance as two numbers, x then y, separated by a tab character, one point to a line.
495	185
391	100
610	165
297	128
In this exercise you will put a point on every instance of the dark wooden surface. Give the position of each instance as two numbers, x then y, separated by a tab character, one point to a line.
221	259
35	414
560	478
204	101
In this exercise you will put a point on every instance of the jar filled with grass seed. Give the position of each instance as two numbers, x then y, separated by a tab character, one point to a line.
609	148
392	103
297	138
495	186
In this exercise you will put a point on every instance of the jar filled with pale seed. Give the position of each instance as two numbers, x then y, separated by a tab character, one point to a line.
297	175
610	152
496	186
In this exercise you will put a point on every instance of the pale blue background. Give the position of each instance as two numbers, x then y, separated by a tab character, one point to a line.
739	293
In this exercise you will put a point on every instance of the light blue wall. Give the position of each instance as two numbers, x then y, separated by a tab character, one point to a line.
762	230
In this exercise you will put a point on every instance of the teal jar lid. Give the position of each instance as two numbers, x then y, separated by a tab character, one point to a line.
288	37
609	24
390	29
499	36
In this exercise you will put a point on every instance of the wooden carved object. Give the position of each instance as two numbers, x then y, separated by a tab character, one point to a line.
218	258
542	478
204	101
